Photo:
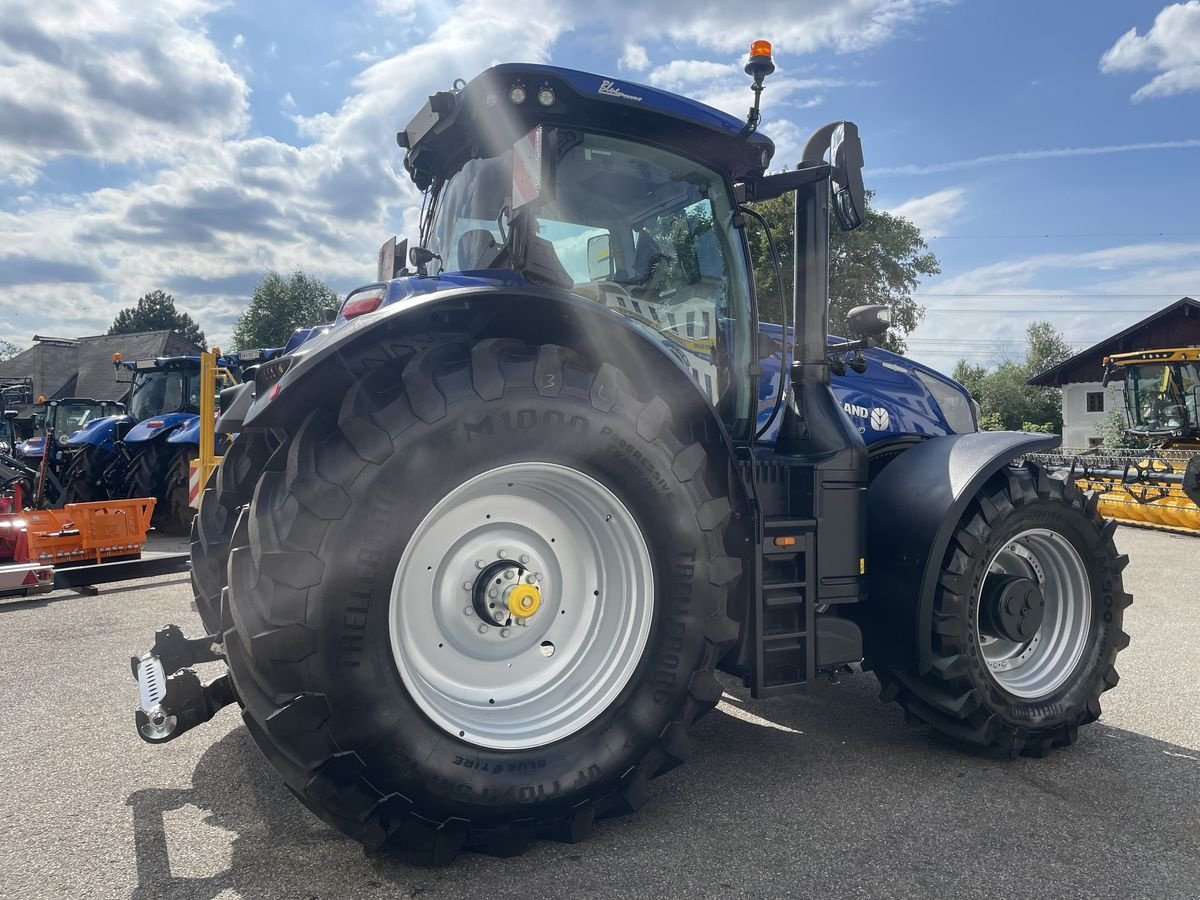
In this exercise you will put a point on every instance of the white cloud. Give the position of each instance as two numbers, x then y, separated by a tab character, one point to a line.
1024	155
634	58
214	208
1171	47
238	41
97	78
933	212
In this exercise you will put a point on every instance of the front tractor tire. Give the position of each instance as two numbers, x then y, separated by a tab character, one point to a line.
1026	623
480	601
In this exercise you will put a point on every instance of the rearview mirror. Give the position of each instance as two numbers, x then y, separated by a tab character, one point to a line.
599	257
849	195
869	321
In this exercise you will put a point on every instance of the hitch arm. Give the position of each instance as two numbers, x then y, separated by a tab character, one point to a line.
169	706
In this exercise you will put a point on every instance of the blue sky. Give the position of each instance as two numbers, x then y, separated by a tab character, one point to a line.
1049	151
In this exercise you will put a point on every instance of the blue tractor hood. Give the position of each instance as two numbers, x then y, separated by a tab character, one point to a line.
895	397
32	448
99	432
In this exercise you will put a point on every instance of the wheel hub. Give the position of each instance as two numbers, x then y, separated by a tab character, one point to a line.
505	593
1013	607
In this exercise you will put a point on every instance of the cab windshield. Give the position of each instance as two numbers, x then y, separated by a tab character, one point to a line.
1163	398
163	391
643	232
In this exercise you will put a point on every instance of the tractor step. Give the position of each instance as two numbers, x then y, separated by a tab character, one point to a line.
170	705
783	613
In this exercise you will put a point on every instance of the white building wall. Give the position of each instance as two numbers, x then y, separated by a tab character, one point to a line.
1080	427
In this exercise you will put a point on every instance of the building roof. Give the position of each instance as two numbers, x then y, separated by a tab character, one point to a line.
83	367
1177	325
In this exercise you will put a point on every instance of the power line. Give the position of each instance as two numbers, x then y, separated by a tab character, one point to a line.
1080	234
1049	294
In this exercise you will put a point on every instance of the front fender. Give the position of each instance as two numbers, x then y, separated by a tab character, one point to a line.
188	434
149	429
913	507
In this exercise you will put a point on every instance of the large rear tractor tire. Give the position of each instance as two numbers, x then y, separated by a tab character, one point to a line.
1027	620
175	517
227	491
82	478
480	602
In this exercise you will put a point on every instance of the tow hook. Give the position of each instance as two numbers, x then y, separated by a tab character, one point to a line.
169	706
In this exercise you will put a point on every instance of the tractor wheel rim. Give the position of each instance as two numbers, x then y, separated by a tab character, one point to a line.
1036	668
491	678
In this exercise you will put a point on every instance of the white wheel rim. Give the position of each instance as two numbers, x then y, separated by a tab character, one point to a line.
539	678
1040	666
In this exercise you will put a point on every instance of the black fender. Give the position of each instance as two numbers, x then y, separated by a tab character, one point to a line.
326	368
913	507
235	404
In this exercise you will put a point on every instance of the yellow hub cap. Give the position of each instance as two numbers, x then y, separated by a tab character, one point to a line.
524	600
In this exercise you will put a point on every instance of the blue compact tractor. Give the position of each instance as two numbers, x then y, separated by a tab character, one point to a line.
480	548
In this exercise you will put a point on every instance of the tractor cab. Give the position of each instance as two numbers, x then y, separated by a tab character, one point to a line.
621	195
61	418
1162	392
164	385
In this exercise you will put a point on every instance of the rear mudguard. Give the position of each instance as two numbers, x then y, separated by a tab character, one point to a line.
323	371
158	426
913	507
188	434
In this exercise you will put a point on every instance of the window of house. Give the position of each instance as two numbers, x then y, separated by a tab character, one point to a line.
1095	401
1095	442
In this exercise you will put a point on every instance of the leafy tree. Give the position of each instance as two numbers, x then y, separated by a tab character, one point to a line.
156	311
1112	430
882	262
1007	400
8	350
970	376
279	306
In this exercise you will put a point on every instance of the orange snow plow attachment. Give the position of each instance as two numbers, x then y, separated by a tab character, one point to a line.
84	532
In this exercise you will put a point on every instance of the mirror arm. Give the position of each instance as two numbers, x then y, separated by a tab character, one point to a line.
769	187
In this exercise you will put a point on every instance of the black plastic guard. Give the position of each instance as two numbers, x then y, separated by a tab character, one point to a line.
913	506
235	404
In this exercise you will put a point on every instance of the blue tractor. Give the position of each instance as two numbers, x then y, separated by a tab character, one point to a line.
53	426
480	548
146	452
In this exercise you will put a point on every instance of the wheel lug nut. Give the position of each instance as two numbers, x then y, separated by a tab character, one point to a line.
479	563
493	593
503	554
483	629
504	632
530	579
467	585
524	559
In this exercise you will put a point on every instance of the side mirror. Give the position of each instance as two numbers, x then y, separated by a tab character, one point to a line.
599	258
391	259
869	321
849	195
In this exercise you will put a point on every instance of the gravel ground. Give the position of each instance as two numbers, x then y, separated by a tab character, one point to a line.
823	794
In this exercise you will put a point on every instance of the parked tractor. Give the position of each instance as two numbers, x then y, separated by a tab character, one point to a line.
147	451
1158	486
53	425
479	550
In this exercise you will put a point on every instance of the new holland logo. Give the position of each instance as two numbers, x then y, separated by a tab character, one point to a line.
880	420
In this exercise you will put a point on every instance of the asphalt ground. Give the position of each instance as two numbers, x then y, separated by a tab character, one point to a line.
824	794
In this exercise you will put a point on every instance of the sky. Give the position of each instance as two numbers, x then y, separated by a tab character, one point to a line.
1050	152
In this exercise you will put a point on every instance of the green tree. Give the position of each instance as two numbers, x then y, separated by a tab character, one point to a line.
1112	430
156	311
1007	400
279	306
971	376
880	262
8	350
